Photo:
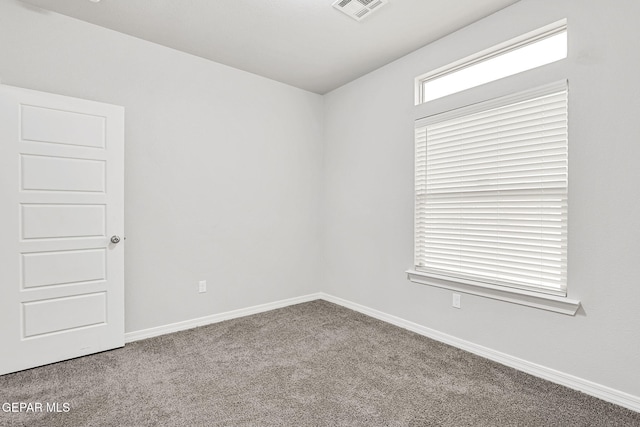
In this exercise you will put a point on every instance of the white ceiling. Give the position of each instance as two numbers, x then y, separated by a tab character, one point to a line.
304	43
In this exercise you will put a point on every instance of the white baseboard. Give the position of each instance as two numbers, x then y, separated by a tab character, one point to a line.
215	318
588	387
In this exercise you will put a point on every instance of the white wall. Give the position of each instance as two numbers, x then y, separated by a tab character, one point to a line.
368	193
222	166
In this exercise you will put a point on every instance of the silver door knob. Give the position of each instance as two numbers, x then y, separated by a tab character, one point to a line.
115	239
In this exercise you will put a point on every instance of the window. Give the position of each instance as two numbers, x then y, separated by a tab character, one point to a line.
532	50
491	193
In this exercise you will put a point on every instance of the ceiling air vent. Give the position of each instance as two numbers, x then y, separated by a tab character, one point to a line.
358	9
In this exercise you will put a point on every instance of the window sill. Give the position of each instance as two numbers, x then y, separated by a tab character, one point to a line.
532	299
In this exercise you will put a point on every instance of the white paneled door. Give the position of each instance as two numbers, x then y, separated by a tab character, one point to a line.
61	216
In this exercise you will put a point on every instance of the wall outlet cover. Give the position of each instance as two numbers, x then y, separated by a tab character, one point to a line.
456	300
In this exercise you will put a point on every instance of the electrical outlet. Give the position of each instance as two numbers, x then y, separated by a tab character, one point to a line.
456	300
202	286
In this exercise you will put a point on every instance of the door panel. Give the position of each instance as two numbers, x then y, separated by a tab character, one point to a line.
42	124
64	314
62	192
51	221
63	267
42	173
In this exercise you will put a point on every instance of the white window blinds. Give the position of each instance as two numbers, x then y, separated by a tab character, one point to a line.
491	192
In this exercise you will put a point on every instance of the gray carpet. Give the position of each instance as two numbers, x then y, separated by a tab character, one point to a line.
312	364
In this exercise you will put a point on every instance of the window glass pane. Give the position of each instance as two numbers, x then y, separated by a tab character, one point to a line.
495	67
